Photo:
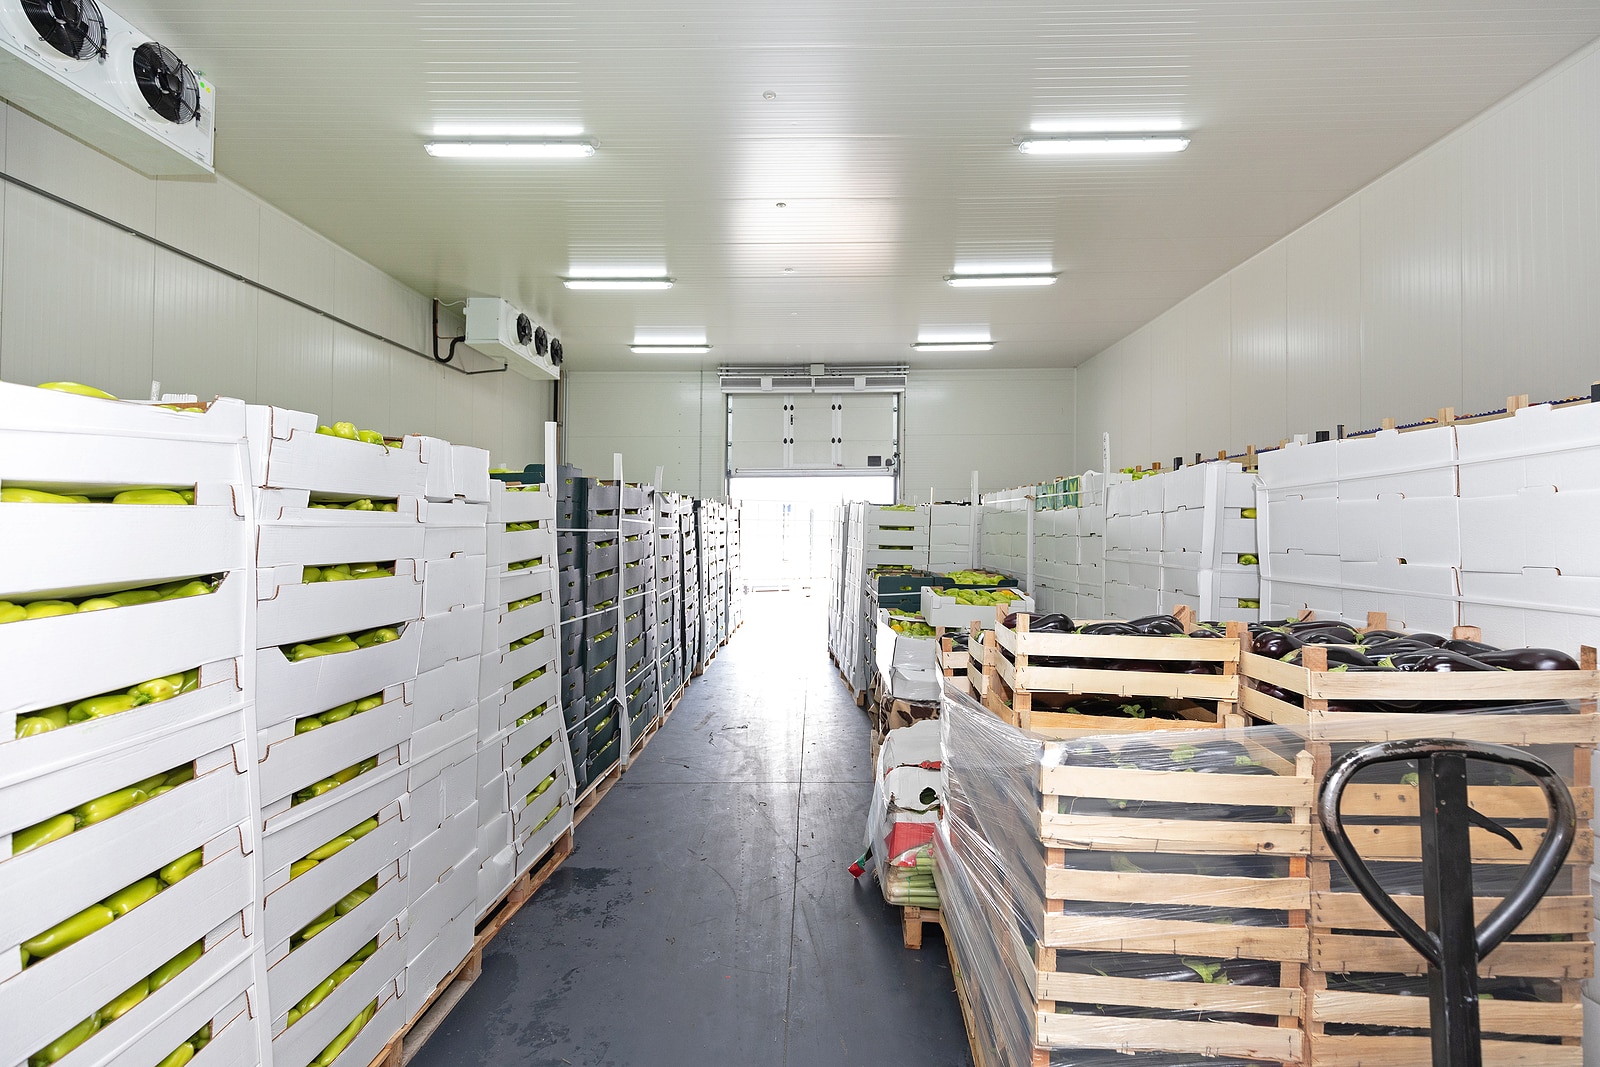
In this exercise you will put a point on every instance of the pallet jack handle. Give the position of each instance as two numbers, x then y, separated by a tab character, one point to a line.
1451	944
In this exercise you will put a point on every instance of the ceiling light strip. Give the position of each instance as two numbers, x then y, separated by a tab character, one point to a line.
998	281
618	283
1101	146
510	149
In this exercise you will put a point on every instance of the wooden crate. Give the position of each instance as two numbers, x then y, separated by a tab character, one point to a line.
1009	685
1068	884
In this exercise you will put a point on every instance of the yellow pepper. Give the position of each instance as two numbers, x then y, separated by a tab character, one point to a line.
102	808
42	833
126	1001
180	1056
182	867
41	722
78	388
127	898
49	609
176	965
102	706
18	495
69	931
10	612
64	1044
163	497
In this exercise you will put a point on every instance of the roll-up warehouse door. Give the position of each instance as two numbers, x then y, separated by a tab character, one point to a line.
813	433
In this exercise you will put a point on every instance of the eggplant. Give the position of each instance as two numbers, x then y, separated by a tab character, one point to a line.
1274	644
1372	636
1110	629
1288	696
1528	659
1305	626
1432	640
1158	626
1469	648
1050	624
1332	635
1380	649
1338	655
1438	660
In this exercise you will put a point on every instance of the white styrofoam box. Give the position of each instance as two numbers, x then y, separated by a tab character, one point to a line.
503	587
130	645
1414	596
514	546
432	961
455	471
293	974
1418	530
1536	528
215	990
444	690
450	637
495	876
1299	464
292	533
1536	608
289	611
453	528
296	831
1184	528
452	583
284	690
286	452
945	611
51	996
528	504
291	761
1302	567
1415	463
501	627
74	550
1540	446
1131	602
39	773
540	831
450	846
381	977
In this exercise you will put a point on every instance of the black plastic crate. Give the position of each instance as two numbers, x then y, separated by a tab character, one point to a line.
600	587
601	647
602	556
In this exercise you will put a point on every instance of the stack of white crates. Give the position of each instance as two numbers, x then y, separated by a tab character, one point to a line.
443	864
525	784
892	536
950	538
735	573
1003	536
1365	524
176	952
334	720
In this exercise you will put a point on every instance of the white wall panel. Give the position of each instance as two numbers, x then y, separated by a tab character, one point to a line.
1011	426
414	391
296	261
43	156
662	419
294	361
1530	262
77	301
1207	320
1096	408
525	405
366	296
1258	369
215	220
361	370
1131	435
1322	272
205	330
453	413
1411	288
1169	405
1466	274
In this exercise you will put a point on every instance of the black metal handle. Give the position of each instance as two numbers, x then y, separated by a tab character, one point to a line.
1518	904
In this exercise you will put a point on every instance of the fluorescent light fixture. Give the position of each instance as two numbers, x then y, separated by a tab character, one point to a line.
619	283
1123	126
952	346
1101	146
507	129
510	149
670	350
998	281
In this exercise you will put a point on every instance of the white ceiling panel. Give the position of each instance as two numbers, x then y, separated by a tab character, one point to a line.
889	141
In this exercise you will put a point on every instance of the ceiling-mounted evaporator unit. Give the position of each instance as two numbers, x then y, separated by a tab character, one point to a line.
507	335
87	70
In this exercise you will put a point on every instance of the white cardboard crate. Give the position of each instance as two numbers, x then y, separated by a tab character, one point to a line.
524	739
55	994
531	504
495	876
456	582
286	452
288	611
500	668
381	977
514	546
450	637
455	471
507	587
43	663
444	690
1540	447
1422	530
286	690
293	832
455	844
502	627
291	975
1539	608
432	961
533	845
944	611
522	780
453	529
1416	463
292	532
291	761
442	897
1536	528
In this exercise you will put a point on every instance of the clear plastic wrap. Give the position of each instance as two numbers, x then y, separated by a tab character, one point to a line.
907	798
1165	894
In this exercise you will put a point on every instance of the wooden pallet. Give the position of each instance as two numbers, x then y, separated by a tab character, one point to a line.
913	919
646	737
672	701
405	1045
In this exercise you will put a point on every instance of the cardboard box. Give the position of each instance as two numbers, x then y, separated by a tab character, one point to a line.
290	761
1540	447
292	533
1536	608
1286	598
446	744
1136	497
285	690
502	627
507	587
541	831
380	977
500	669
940	610
514	546
1536	528
1415	597
47	999
286	452
1302	567
1416	463
1309	525
1299	464
1422	531
454	636
444	690
1131	602
527	504
452	583
494	878
450	848
294	832
131	645
432	960
455	471
454	528
289	611
291	975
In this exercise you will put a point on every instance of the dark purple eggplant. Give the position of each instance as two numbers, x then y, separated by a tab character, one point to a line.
1158	626
1338	655
1432	640
1438	660
1275	644
1469	648
1332	635
1305	626
1269	624
1050	624
1110	628
1374	636
1380	649
1288	696
1529	659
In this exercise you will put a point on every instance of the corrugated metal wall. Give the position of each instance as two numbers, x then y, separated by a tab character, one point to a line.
81	300
1467	274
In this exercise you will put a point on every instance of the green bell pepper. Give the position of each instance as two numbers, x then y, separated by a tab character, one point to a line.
299	867
41	722
176	965
18	495
10	612
64	1044
163	497
127	898
381	636
68	931
316	996
180	1056
102	808
182	867
102	706
347	430
347	1035
329	849
360	830
126	1001
42	833
351	901
331	647
196	587
49	609
77	388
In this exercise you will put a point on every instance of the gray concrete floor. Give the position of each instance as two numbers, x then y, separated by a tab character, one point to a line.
707	916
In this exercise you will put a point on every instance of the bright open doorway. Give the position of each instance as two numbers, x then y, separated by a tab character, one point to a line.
787	521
